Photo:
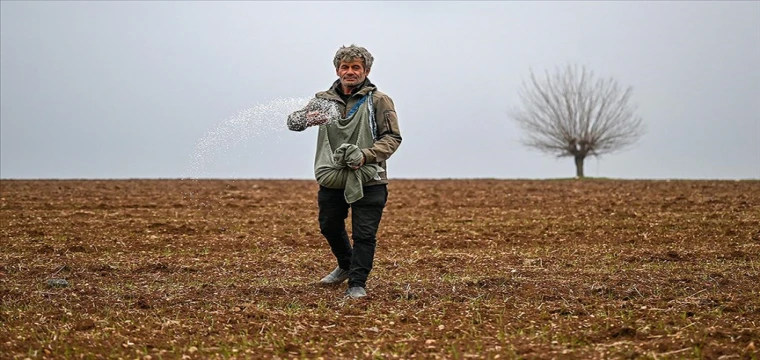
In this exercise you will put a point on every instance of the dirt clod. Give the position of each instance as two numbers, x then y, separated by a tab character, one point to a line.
84	325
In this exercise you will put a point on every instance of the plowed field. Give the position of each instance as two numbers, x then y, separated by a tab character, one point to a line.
464	269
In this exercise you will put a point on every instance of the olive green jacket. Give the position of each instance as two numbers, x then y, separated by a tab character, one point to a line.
386	120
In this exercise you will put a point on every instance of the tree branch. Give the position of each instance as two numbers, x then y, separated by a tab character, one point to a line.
570	113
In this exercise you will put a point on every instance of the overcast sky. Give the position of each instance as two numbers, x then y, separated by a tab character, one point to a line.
132	89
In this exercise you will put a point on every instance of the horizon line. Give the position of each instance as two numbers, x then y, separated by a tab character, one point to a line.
390	180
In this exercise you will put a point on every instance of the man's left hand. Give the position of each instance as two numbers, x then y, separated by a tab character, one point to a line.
360	163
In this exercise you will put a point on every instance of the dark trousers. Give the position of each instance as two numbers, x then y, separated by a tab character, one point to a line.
365	221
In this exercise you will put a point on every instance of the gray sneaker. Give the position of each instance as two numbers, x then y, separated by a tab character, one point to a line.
337	276
356	292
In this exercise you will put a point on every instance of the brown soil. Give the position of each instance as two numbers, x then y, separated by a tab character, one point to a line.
480	268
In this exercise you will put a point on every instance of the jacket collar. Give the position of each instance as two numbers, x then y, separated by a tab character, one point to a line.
335	91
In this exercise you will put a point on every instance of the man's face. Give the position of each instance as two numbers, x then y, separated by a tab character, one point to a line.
351	73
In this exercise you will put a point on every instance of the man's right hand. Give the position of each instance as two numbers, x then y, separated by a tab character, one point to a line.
316	118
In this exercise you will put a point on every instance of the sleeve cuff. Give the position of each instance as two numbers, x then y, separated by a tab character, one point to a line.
368	157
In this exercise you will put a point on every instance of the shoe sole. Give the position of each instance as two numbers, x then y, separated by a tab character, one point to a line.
332	283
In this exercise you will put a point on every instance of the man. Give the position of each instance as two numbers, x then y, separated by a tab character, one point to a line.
361	107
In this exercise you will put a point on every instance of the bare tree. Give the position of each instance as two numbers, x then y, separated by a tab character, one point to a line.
571	114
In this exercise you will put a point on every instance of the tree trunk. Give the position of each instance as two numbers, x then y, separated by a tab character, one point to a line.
579	165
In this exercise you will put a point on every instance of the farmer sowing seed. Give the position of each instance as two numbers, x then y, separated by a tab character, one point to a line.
358	132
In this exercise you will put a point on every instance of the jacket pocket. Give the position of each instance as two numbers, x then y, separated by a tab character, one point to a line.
391	121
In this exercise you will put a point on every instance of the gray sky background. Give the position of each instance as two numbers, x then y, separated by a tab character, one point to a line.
129	89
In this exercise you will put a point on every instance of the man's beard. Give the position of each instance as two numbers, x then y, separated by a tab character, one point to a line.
351	84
